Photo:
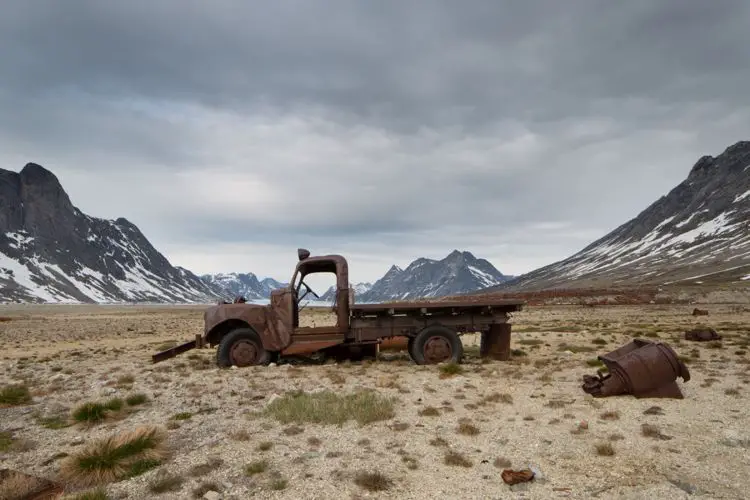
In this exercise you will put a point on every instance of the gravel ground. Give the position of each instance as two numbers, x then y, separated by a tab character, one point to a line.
528	411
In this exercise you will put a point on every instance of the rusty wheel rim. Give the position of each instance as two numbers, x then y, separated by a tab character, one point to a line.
437	349
243	353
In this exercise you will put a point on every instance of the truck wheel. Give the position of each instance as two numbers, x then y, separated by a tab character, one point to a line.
241	347
436	344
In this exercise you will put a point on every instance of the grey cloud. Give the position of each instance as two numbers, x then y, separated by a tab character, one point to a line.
393	121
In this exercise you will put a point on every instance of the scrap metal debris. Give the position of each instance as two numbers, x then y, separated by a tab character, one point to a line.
512	477
702	334
642	368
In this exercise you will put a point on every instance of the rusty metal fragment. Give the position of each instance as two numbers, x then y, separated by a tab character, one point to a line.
495	342
702	334
511	476
641	368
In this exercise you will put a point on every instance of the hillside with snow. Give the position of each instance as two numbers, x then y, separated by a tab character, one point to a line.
698	233
52	252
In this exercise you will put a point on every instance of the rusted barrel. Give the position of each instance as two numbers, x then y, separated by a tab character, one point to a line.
641	368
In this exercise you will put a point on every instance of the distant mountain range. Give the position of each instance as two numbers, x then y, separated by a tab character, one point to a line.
698	233
244	284
52	252
459	272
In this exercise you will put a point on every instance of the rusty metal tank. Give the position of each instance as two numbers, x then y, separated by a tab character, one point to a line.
642	368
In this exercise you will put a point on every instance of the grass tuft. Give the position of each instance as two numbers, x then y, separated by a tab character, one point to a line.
373	481
136	399
164	482
450	369
605	450
330	408
256	467
97	494
14	395
94	413
456	459
116	457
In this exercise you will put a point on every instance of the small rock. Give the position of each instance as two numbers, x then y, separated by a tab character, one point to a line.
77	441
272	365
212	495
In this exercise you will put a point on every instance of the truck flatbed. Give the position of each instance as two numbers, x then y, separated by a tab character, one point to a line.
504	305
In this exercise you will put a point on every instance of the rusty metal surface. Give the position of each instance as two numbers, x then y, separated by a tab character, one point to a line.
437	349
244	353
641	368
512	477
173	351
500	305
253	315
495	342
399	343
702	334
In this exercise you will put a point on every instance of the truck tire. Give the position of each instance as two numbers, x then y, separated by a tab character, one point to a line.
436	344
241	347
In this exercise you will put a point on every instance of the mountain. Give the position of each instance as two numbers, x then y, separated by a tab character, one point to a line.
50	251
359	289
245	284
698	232
458	273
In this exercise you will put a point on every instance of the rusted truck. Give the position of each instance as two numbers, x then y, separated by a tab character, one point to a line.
250	334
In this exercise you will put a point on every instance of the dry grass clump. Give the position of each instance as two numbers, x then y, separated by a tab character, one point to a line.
210	465
15	485
97	494
467	428
256	467
429	411
653	431
450	369
456	459
496	397
373	481
14	395
265	446
94	413
502	463
116	457
136	399
610	415
164	482
330	408
605	449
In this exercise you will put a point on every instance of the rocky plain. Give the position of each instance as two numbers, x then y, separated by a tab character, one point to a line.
74	376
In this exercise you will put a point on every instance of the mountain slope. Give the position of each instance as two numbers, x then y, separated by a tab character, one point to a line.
458	273
699	231
52	252
245	284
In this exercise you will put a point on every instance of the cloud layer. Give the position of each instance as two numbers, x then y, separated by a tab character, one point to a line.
234	132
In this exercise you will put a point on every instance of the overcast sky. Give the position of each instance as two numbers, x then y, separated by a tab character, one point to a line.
233	132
